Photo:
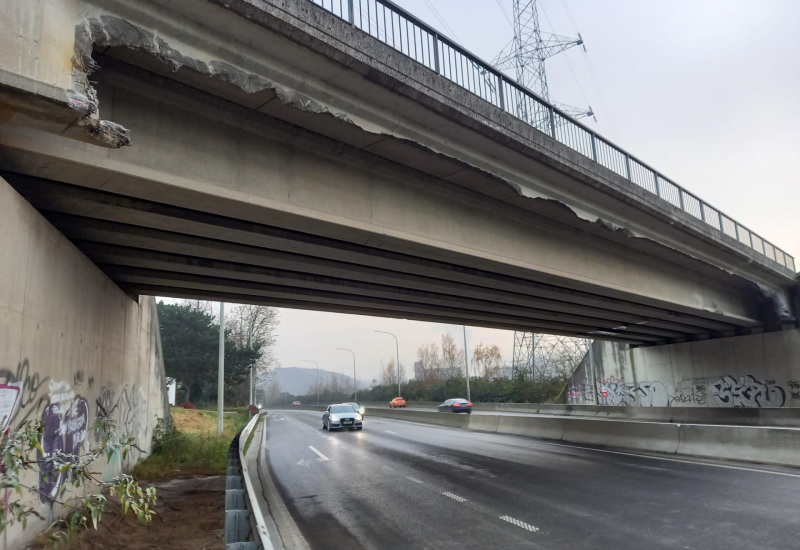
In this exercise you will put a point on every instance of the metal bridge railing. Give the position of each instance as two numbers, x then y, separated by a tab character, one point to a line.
397	28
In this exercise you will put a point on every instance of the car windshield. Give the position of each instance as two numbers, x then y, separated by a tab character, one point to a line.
338	409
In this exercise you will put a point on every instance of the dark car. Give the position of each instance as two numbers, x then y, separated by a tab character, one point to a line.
341	416
456	406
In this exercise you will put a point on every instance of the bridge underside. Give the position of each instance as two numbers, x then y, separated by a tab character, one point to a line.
218	198
154	248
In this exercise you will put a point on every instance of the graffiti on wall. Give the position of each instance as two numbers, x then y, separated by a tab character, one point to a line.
581	392
33	391
689	392
746	391
66	422
66	416
614	391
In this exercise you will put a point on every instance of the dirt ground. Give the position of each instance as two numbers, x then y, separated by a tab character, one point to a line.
191	517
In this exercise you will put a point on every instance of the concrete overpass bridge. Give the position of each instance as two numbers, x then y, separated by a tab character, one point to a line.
343	158
273	152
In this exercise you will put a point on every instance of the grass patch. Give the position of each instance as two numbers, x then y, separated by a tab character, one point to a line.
193	447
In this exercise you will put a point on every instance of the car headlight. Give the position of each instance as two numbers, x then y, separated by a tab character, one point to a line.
358	417
334	418
361	410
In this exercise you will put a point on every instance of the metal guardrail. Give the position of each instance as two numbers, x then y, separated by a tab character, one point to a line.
397	28
244	520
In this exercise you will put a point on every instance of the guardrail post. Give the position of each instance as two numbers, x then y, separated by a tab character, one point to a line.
658	187
628	166
751	240
680	198
552	121
436	53
702	210
502	91
351	13
594	147
736	227
722	227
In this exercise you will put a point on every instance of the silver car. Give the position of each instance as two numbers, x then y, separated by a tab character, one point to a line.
342	415
358	408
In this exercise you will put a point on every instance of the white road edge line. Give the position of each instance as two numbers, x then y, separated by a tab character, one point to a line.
680	460
319	454
518	523
455	497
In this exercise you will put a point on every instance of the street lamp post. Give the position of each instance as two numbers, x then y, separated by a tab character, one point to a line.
397	356
308	361
466	360
355	384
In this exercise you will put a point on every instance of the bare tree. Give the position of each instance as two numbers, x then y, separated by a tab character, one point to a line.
428	355
252	325
452	357
203	306
487	360
390	374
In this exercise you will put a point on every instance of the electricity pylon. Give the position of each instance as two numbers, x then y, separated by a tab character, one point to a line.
527	52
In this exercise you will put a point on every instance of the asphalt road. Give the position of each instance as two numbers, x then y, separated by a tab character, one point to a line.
403	485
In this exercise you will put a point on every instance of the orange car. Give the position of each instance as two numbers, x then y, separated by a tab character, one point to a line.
397	402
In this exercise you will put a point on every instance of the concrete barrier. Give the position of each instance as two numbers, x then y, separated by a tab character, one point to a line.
769	445
483	422
433	417
645	436
532	426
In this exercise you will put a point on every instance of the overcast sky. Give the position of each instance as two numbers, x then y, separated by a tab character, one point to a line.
705	91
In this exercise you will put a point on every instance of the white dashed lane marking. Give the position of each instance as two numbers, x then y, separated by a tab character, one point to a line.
519	523
391	432
415	480
455	497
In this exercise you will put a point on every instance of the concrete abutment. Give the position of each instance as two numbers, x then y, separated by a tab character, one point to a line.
71	344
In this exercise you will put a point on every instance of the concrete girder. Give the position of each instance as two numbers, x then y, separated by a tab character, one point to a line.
90	203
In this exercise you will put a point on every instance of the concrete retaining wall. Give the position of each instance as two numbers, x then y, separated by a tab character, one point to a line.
753	371
73	342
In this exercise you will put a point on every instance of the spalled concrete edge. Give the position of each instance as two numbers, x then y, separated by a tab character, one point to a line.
255	503
777	446
287	535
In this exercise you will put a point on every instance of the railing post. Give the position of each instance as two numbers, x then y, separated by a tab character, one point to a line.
722	227
736	227
552	121
751	240
702	210
680	198
351	13
436	53
628	166
502	90
658	188
594	147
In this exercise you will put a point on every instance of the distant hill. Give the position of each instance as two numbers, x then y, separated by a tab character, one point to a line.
299	380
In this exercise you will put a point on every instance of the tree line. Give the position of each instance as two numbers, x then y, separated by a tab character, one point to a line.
190	344
440	374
